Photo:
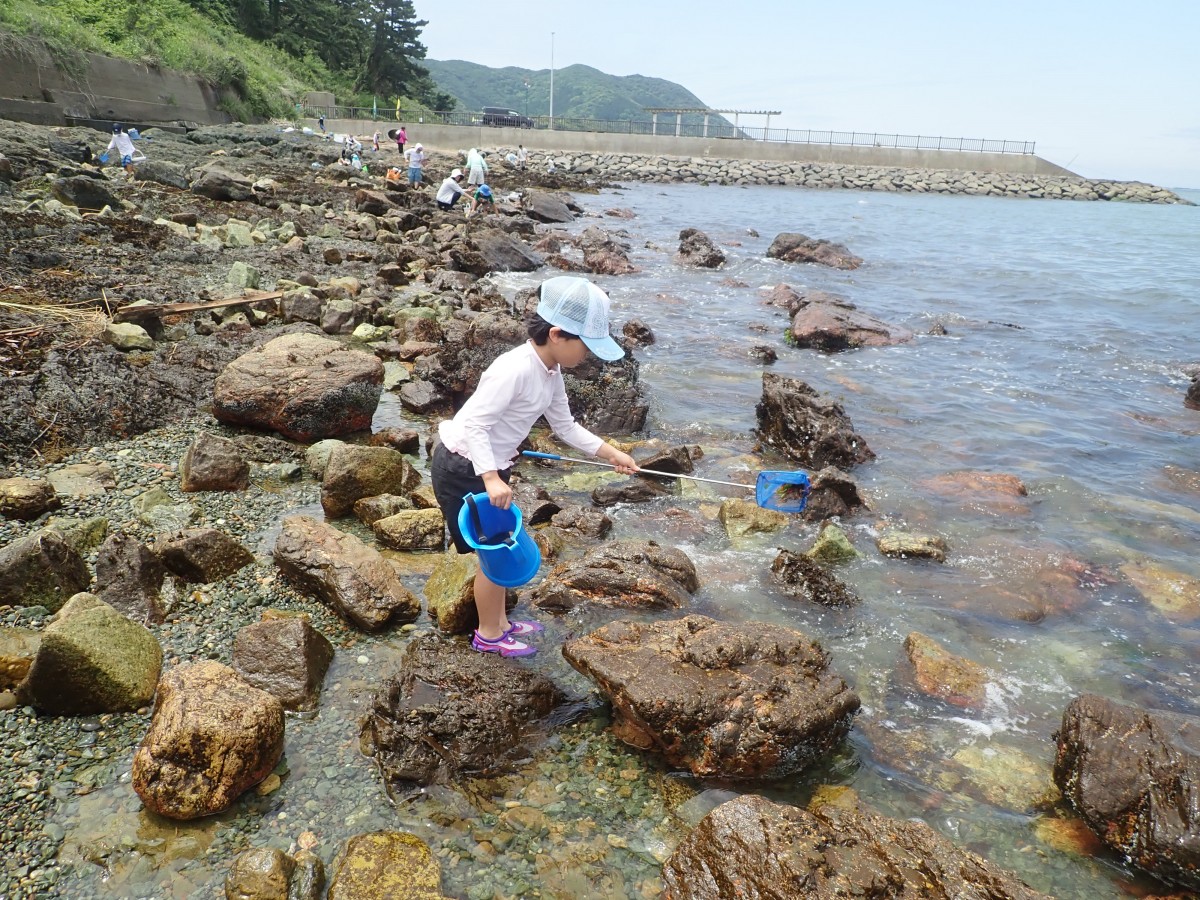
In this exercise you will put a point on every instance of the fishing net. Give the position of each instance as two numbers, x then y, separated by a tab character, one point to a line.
784	491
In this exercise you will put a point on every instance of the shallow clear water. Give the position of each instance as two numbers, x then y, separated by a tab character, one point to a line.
1069	328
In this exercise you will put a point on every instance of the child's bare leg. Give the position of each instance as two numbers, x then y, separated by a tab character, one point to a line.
489	602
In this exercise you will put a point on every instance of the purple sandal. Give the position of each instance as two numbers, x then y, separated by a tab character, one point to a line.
520	629
506	646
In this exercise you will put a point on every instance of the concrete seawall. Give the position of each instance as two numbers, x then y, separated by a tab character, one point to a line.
34	89
455	137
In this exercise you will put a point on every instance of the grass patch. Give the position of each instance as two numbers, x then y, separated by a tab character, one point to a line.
259	81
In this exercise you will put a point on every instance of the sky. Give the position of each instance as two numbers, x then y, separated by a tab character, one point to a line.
1105	89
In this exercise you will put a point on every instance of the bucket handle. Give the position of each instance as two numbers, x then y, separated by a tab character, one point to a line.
508	538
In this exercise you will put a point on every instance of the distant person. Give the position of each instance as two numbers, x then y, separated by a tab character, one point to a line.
450	191
123	144
483	198
550	168
375	141
321	122
477	168
416	162
522	157
401	140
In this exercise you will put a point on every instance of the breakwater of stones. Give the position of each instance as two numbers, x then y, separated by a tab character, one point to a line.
636	167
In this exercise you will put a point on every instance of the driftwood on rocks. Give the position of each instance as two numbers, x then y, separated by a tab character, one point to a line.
748	700
1133	775
752	847
815	431
451	711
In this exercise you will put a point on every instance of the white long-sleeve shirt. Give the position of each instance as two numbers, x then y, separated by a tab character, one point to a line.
449	191
514	391
122	143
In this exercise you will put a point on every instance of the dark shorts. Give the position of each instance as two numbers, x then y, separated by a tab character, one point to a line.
447	205
453	478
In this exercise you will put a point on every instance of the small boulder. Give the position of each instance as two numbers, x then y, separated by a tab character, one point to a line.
412	529
451	712
807	579
201	555
742	517
18	647
940	674
387	865
213	463
343	572
1133	774
697	249
92	660
623	574
303	386
285	657
793	247
795	419
41	569
129	578
212	737
911	545
746	700
27	498
354	471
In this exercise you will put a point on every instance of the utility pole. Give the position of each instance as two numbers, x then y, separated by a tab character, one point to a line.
552	81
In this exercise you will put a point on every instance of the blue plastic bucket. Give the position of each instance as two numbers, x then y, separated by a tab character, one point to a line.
507	554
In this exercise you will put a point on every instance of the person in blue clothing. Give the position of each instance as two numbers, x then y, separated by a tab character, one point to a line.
474	452
321	122
482	197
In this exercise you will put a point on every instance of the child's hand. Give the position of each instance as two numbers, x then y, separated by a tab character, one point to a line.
623	462
499	493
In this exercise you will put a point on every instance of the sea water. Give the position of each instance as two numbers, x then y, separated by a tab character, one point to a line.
1069	330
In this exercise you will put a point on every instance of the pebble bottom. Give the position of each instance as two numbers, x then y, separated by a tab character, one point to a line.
584	816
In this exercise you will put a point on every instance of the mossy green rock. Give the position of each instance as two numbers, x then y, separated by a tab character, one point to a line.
387	865
93	660
832	546
450	592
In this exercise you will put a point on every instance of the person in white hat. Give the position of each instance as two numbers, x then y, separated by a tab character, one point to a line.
476	449
416	162
450	191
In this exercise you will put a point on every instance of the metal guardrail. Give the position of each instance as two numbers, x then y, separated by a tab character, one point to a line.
719	130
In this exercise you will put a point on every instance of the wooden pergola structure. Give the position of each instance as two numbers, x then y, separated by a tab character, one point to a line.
706	112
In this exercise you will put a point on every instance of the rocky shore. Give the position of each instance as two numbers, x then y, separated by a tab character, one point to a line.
231	641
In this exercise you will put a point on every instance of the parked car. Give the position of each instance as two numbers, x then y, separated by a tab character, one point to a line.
503	117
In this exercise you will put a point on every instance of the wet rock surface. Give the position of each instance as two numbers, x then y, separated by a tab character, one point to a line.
752	847
622	574
736	701
795	419
1132	775
451	711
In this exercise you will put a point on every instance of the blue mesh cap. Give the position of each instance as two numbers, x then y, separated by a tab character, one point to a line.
576	305
485	191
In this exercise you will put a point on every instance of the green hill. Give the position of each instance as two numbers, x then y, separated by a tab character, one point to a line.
579	91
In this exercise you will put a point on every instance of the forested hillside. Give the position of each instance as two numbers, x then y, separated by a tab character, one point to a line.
269	52
579	91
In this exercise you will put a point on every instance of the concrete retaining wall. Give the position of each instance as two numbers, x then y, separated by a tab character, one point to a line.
449	138
33	89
